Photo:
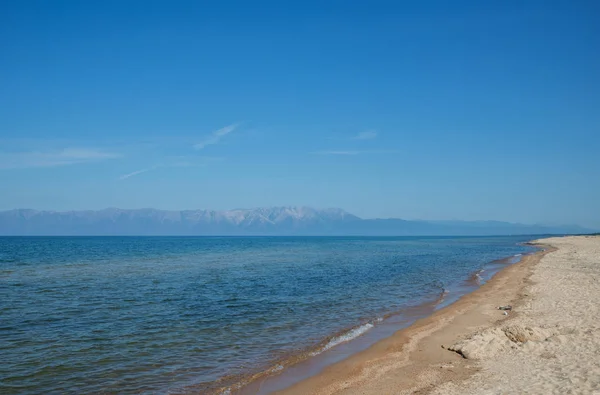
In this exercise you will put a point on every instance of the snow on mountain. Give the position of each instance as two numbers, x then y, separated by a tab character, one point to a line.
259	221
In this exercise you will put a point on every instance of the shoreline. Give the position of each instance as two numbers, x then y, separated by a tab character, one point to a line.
313	372
415	354
416	359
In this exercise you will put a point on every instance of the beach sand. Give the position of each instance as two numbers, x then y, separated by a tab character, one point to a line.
548	344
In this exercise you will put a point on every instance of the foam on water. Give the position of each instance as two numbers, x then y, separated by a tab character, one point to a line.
478	277
350	335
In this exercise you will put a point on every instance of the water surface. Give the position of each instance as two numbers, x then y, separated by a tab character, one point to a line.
174	315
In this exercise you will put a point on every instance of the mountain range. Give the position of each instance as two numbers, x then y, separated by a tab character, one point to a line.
278	221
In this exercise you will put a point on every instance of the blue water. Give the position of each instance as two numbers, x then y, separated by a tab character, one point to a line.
172	315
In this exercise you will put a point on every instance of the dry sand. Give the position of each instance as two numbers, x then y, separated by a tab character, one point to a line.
548	344
553	345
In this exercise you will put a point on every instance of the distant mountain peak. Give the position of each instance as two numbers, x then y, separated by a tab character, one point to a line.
279	220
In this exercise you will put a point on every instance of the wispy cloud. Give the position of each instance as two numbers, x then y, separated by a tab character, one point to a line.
135	173
215	137
368	135
180	163
64	157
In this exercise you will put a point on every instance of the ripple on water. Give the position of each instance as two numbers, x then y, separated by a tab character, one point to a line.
128	315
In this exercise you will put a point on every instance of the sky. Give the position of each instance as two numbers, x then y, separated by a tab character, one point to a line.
418	110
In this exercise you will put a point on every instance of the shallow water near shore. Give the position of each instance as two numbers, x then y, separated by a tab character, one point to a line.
193	314
350	342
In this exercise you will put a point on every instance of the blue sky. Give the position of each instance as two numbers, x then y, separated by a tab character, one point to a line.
431	110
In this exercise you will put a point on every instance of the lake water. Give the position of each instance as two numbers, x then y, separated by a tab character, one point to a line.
192	314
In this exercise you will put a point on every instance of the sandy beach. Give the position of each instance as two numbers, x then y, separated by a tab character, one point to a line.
549	343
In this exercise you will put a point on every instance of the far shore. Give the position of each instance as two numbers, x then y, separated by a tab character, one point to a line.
460	346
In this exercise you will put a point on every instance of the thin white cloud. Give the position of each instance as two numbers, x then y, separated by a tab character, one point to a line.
368	135
174	164
64	157
135	173
215	137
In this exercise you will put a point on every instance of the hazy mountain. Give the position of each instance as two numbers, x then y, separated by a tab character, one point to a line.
260	221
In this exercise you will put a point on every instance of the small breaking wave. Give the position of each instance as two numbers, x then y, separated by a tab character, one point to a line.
442	296
515	258
289	361
350	335
476	278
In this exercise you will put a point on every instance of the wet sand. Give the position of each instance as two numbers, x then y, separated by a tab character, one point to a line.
416	359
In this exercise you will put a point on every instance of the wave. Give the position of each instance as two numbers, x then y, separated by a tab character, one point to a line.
285	362
442	296
515	259
475	278
350	335
478	276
